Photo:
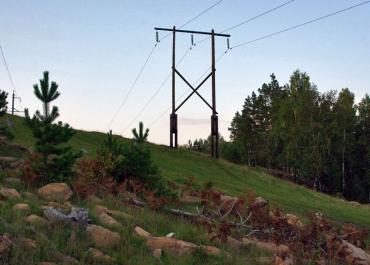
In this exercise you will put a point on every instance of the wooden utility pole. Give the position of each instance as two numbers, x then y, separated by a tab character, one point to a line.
13	106
214	117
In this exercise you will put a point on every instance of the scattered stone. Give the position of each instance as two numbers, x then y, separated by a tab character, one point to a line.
27	243
355	204
189	199
141	232
171	235
174	246
78	216
107	220
36	220
293	220
99	257
259	203
267	246
58	206
99	209
5	246
22	208
9	194
103	237
157	253
211	250
58	192
283	256
46	263
351	254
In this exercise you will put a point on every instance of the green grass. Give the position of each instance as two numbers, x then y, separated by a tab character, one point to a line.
233	179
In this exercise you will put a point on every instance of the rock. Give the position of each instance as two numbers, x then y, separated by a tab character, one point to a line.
102	237
355	204
46	263
107	220
141	232
99	209
22	208
27	243
283	256
171	235
189	199
58	192
350	253
5	246
157	253
259	203
77	216
211	250
267	246
99	257
36	220
293	220
9	194
174	246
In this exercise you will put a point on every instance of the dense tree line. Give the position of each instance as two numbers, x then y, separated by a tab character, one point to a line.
318	139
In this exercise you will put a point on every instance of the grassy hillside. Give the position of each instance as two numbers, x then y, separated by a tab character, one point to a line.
233	179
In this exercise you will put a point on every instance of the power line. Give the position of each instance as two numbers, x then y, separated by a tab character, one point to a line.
251	19
195	17
133	85
7	69
156	92
300	25
147	60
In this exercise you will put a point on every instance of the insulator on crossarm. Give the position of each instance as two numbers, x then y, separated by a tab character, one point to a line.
192	40
228	43
157	36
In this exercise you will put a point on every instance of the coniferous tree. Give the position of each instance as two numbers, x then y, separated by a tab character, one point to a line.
140	136
54	159
4	130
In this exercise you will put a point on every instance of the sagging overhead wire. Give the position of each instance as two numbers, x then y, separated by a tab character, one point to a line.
8	71
149	56
300	25
155	93
250	19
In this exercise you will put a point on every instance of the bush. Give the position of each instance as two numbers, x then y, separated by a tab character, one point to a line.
137	164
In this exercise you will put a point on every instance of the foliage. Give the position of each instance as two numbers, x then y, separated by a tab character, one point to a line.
4	130
140	136
54	160
176	165
316	139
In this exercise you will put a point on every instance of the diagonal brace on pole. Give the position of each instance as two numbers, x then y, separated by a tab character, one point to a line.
182	103
194	90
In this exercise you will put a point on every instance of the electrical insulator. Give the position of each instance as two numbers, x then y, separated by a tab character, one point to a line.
228	43
192	40
157	36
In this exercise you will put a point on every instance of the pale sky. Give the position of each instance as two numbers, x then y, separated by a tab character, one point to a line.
94	50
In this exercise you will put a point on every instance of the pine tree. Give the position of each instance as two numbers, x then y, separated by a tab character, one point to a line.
54	159
141	136
4	130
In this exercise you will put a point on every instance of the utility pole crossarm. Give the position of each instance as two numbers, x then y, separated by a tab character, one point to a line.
194	32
